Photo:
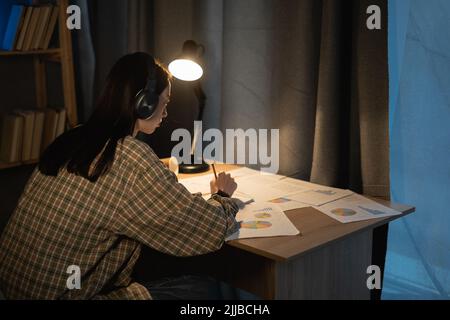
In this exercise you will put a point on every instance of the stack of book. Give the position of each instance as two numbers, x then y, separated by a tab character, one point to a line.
30	27
26	133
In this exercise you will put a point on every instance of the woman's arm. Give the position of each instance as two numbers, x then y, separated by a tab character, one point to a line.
162	214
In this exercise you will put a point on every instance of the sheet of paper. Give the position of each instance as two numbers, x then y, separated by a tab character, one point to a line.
201	184
287	204
262	219
242	199
243	172
266	187
288	193
356	208
197	184
290	186
246	199
319	195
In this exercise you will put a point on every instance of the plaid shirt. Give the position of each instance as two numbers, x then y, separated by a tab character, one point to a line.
100	227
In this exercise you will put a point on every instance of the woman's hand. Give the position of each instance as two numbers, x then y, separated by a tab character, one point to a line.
225	183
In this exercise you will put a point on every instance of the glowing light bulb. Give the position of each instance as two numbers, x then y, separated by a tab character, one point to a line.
186	70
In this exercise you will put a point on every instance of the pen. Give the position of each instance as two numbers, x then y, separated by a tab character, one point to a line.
214	169
219	192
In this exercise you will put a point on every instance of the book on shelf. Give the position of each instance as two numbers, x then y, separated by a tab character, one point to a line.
50	30
24	28
28	42
28	130
11	142
5	12
40	17
39	118
61	127
54	125
26	133
44	18
15	21
50	125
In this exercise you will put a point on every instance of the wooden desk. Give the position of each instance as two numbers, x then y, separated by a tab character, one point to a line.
328	261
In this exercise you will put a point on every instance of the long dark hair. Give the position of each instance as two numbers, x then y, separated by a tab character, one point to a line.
113	119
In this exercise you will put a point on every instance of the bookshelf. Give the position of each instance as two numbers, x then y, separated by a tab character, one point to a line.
52	51
63	55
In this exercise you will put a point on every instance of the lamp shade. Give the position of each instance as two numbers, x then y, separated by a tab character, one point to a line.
186	67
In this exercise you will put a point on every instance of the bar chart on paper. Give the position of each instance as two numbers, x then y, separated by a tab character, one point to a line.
355	208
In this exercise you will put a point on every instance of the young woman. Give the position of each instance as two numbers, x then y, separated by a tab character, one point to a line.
99	194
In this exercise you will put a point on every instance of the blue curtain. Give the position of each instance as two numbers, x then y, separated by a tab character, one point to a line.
418	258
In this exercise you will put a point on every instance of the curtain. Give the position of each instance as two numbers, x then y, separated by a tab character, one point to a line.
418	259
110	29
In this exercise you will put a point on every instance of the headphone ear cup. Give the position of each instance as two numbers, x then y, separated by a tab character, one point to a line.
144	106
147	99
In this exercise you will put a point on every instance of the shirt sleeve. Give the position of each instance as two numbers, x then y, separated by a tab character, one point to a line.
162	214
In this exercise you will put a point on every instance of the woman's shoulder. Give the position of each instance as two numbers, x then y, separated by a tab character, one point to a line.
135	153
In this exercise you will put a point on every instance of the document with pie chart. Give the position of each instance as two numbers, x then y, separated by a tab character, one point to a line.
355	208
262	219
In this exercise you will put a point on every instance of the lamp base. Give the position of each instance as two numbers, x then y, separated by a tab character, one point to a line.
193	167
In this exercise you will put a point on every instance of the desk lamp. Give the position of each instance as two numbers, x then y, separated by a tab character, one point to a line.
188	68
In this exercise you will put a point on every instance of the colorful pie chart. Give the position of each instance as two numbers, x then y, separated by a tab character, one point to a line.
280	200
263	215
343	212
256	224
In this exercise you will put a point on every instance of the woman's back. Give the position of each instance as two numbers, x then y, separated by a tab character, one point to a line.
64	220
